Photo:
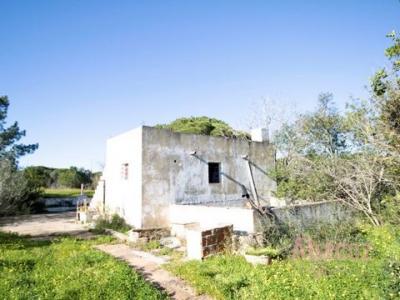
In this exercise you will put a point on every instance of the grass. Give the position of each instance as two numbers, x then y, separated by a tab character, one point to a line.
231	277
65	193
268	251
374	276
66	268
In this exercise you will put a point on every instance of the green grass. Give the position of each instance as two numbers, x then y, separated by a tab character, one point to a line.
268	251
231	277
376	276
65	193
66	268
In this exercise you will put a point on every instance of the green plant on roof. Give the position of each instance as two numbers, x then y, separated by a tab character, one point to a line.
204	125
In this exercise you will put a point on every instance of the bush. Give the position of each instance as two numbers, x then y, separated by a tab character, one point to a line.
284	236
17	193
204	125
391	209
385	241
115	223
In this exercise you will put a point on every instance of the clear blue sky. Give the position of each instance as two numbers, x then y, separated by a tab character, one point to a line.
78	72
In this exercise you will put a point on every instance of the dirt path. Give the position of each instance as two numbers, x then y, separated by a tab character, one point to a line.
44	225
151	270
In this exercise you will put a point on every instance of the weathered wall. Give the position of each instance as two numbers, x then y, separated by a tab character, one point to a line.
305	215
124	196
171	175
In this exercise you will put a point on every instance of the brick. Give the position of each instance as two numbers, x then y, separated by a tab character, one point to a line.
220	236
212	248
207	232
212	239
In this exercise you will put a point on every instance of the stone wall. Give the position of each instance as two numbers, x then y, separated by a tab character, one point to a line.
305	215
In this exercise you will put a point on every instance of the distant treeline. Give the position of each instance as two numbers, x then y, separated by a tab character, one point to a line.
73	177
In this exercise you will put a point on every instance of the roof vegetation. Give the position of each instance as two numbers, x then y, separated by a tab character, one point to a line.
204	125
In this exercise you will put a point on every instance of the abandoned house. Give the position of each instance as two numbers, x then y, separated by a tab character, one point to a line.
156	178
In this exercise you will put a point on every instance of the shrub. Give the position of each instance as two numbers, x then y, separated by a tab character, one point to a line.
115	223
391	209
385	241
17	194
286	237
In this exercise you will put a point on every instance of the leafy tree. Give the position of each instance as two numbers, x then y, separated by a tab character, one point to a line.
304	146
385	86
9	136
323	129
73	177
40	176
203	125
353	158
17	193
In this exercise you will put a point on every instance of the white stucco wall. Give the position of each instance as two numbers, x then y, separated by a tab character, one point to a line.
242	219
162	172
124	196
171	175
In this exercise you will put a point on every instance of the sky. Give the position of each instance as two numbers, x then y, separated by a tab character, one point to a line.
79	72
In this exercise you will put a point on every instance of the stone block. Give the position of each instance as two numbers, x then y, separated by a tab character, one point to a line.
194	245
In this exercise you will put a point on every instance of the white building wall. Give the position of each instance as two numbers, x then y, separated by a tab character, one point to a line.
171	175
162	172
124	196
242	219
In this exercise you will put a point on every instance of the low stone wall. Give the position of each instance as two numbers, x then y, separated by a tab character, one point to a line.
201	243
305	215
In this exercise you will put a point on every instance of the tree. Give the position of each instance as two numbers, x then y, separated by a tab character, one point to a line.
40	176
354	157
17	194
323	129
9	136
385	85
362	177
73	177
304	146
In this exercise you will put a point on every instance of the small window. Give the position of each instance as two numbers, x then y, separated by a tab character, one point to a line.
125	171
214	172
